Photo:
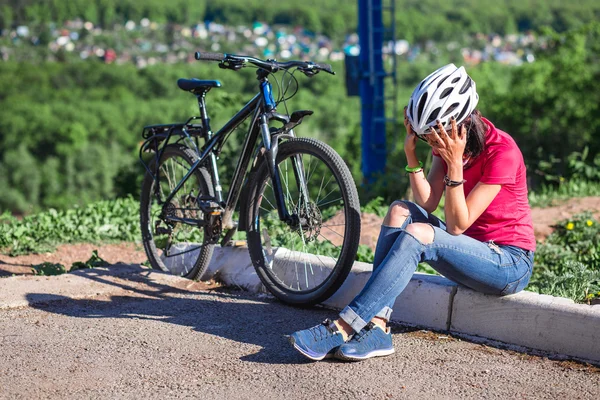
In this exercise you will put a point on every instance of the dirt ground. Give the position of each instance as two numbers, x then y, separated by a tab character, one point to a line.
130	253
67	254
544	218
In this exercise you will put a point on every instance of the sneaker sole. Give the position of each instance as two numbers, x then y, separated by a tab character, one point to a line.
312	356
375	353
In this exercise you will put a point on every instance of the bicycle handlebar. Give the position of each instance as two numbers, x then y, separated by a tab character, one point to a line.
209	56
232	61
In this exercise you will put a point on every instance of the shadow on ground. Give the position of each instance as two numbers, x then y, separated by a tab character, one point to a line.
10	269
222	312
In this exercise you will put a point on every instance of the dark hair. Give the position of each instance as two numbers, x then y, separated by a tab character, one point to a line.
476	130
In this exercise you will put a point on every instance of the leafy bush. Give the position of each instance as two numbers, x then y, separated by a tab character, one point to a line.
94	261
580	235
103	221
567	264
377	206
364	254
582	179
48	269
578	282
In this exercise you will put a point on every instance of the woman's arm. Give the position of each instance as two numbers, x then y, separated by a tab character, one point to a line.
428	192
460	213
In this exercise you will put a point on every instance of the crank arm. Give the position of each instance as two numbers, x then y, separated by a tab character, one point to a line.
186	221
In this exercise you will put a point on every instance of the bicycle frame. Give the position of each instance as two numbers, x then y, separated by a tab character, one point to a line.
262	106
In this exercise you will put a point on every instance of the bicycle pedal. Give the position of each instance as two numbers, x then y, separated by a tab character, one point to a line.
210	206
237	243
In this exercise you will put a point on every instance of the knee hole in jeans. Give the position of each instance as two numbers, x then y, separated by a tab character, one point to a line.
424	233
397	214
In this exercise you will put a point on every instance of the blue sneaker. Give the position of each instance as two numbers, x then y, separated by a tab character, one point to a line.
371	341
318	342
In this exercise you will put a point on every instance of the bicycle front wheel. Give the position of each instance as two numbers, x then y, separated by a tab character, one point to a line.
305	260
173	238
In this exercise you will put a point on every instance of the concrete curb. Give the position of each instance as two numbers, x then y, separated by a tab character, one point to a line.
542	322
553	324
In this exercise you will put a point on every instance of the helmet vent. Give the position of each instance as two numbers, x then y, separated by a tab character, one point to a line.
464	110
466	86
434	114
446	92
442	81
421	106
456	79
450	109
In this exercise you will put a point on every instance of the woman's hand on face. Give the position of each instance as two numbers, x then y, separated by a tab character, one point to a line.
410	143
450	147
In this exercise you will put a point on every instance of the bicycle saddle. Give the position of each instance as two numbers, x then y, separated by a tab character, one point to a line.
197	85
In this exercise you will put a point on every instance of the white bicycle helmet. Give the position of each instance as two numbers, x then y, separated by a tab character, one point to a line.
445	93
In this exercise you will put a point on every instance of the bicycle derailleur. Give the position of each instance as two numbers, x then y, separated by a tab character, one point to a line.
202	212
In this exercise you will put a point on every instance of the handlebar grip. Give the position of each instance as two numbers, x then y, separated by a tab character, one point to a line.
209	56
325	67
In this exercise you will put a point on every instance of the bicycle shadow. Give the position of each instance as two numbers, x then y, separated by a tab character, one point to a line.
12	269
251	320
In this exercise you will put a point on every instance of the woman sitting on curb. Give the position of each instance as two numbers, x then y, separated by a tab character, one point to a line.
487	242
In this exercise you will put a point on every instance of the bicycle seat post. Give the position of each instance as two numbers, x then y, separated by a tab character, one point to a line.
204	114
207	136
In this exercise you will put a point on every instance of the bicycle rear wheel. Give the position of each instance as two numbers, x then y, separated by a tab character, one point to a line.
175	247
306	261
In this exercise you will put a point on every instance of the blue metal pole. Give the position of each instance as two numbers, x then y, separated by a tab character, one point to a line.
373	124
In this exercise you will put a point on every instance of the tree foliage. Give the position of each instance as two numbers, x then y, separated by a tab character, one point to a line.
552	106
69	132
417	20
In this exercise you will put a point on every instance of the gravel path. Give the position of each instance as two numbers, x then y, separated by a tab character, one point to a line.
223	344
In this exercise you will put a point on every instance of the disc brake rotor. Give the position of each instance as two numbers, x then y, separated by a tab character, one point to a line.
309	222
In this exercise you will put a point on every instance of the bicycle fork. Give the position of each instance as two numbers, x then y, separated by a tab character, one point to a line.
271	149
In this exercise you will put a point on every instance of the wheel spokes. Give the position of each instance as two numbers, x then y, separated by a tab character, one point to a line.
177	243
303	253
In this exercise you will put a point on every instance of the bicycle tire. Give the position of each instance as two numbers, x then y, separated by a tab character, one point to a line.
190	266
259	251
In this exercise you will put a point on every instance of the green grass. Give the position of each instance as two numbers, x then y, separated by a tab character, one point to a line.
549	195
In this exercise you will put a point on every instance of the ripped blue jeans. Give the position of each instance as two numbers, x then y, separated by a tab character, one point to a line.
482	266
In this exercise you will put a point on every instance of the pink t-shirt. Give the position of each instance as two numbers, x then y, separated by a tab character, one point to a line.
507	220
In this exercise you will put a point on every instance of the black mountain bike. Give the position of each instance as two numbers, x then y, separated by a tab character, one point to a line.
299	205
